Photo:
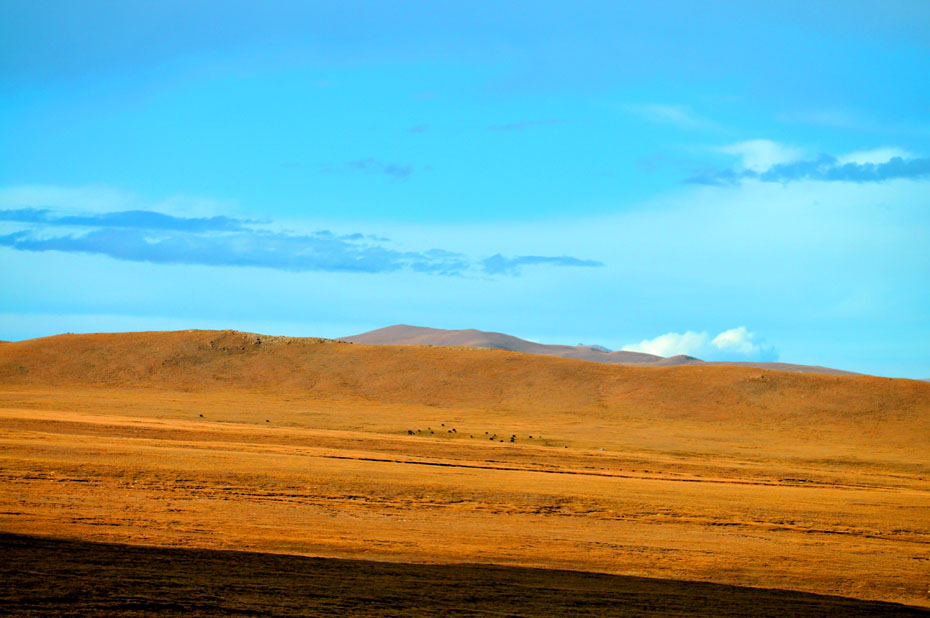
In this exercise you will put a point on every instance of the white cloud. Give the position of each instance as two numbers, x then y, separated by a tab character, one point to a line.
761	154
876	155
671	344
733	342
738	340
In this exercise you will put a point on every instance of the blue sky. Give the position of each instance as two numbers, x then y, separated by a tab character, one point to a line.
735	181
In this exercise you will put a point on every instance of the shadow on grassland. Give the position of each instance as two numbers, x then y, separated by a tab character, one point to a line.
49	577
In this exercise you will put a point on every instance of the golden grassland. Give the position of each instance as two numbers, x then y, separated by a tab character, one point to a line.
225	440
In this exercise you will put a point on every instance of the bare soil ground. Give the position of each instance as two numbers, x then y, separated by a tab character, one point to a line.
211	441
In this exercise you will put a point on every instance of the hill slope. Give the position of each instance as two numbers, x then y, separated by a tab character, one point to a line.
454	377
403	334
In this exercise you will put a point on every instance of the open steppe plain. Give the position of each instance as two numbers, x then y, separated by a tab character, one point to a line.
204	441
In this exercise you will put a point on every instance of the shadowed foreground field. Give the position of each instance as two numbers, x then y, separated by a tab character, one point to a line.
49	577
229	441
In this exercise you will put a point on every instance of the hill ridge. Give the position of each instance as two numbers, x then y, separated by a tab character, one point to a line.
442	377
405	334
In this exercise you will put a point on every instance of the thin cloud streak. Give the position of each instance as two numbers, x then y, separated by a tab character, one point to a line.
145	236
398	171
500	265
675	115
526	124
134	219
826	168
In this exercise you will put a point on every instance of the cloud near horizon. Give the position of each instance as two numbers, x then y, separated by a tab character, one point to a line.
825	168
147	236
733	344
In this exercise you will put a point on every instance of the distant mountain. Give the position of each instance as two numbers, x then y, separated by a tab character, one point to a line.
402	334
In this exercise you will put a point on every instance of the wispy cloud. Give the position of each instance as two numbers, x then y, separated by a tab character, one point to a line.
138	219
735	343
525	124
761	154
500	265
882	154
679	116
825	168
833	118
146	236
103	199
420	128
398	171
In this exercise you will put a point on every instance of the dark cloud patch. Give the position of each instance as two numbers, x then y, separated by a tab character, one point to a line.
143	236
825	168
500	265
526	124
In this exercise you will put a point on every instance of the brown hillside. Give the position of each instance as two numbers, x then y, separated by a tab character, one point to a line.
462	377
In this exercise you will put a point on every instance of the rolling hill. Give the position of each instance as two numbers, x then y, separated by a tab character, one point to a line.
456	377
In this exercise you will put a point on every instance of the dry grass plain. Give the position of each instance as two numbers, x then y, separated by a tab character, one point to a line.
230	441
